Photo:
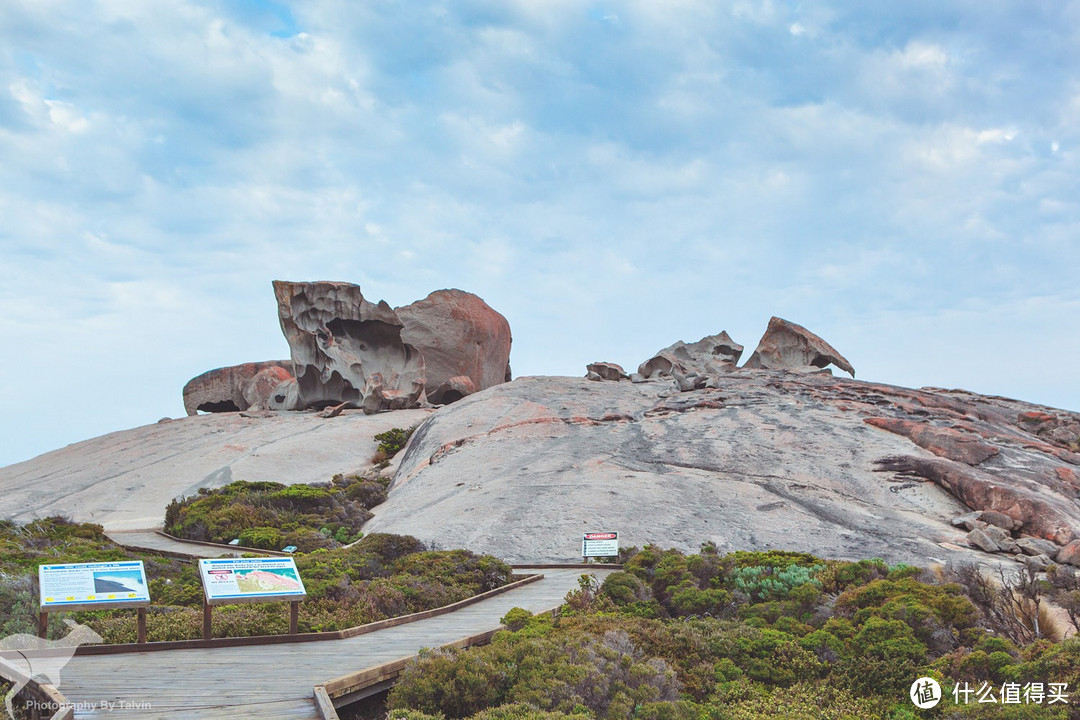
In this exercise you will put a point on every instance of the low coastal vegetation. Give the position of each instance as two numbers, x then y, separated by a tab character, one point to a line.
380	576
761	634
271	515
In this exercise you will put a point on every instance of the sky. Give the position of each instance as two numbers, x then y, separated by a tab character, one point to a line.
901	178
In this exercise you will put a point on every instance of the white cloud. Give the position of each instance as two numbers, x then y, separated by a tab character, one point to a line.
612	178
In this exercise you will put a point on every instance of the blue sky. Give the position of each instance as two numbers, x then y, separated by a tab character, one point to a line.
901	178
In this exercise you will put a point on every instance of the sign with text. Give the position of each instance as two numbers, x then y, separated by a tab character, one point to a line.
600	544
232	580
93	586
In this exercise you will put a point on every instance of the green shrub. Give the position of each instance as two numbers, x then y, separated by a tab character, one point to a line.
765	583
516	618
267	538
367	493
391	441
884	656
297	512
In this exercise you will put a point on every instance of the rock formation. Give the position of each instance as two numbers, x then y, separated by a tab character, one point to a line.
239	387
787	346
605	371
346	349
802	461
464	342
708	356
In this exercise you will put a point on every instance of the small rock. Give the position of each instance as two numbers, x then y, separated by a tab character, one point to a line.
1038	562
637	378
966	521
593	376
607	371
979	539
1001	538
1001	520
1070	554
1038	546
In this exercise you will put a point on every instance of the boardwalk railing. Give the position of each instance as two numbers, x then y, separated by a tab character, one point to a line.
43	694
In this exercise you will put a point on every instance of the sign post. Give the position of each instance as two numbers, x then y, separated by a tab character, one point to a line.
599	544
93	586
242	580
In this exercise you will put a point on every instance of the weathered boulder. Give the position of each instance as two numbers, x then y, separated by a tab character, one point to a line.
1000	520
1070	554
346	349
713	354
1038	546
451	390
235	388
1001	538
968	521
459	336
979	539
787	346
605	371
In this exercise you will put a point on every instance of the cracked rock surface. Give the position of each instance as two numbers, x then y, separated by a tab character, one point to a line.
766	459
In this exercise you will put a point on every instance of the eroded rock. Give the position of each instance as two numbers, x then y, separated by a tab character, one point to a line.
451	390
459	336
1041	515
346	349
606	371
787	346
235	388
710	355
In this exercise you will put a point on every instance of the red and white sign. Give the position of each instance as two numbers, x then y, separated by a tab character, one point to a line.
600	544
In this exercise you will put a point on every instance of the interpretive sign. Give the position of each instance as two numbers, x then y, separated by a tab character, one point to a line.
600	544
93	586
232	580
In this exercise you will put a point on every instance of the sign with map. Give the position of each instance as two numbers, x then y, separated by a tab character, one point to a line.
231	580
600	544
93	586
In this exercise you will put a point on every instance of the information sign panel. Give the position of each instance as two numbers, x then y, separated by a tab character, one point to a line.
237	580
93	586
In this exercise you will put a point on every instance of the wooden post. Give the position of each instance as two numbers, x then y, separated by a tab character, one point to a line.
294	617
43	624
207	629
140	626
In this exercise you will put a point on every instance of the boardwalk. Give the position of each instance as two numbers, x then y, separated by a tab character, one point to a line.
275	681
155	541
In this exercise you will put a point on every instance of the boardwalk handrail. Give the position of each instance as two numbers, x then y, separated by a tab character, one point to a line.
44	693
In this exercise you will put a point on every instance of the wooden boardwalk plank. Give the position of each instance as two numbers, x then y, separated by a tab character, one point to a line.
276	681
